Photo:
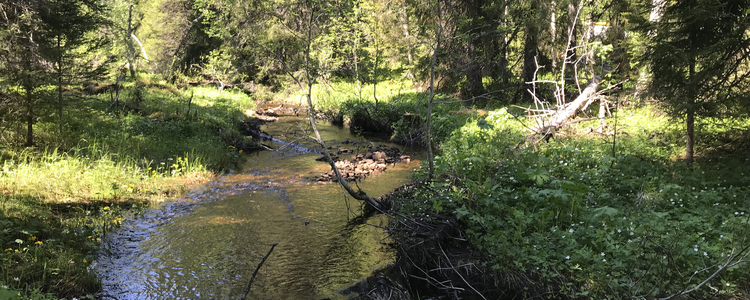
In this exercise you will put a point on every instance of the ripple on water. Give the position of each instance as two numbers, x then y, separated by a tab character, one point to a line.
207	245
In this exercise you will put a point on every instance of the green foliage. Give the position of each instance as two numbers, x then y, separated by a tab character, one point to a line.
343	101
48	247
696	55
584	223
57	203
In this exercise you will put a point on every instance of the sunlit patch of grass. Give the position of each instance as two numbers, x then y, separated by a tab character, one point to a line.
210	96
55	208
59	200
87	174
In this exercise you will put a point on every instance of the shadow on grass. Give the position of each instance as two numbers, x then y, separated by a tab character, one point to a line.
48	247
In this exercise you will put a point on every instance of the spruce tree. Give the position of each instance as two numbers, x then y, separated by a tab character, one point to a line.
38	41
698	57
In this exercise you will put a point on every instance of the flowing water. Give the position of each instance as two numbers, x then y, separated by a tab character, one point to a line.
207	245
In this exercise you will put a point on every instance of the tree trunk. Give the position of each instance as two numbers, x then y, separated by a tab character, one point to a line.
689	139
473	86
59	87
409	47
571	55
602	115
530	50
129	43
356	63
569	110
430	155
375	77
553	32
690	119
590	52
29	116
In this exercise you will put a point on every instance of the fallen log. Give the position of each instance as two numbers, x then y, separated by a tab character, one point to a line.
568	111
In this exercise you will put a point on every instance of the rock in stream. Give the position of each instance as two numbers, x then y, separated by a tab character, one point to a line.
374	161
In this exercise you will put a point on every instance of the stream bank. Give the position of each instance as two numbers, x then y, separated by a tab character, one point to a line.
433	260
207	244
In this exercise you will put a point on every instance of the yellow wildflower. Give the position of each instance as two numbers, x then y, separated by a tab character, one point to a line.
38	242
16	250
84	261
98	239
9	250
32	238
240	151
106	207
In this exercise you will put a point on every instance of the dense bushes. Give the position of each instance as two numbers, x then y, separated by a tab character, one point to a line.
400	111
580	221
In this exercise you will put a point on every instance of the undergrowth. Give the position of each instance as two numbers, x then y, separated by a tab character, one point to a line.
581	220
345	102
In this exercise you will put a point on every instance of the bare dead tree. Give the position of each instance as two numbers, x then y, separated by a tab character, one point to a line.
430	155
307	86
550	118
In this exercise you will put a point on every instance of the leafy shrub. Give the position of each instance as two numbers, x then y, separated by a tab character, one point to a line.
583	222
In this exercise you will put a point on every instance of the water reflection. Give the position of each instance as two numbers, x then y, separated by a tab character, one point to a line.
208	245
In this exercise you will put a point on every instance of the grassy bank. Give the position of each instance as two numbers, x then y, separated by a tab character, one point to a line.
577	219
354	105
60	198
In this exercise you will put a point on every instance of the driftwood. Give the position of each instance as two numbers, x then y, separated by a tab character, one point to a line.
116	100
247	289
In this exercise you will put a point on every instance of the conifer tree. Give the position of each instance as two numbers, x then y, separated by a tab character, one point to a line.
37	45
698	57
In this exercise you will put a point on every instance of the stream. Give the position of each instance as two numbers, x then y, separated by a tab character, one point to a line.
207	244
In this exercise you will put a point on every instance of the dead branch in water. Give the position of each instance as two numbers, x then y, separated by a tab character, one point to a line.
247	289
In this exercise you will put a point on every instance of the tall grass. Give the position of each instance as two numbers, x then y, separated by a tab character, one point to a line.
91	174
59	200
